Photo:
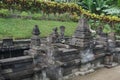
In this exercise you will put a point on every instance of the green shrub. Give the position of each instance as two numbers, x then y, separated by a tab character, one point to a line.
24	14
49	7
118	2
74	17
4	12
63	17
37	16
107	28
117	29
112	11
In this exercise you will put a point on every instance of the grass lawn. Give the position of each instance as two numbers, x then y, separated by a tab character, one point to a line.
21	28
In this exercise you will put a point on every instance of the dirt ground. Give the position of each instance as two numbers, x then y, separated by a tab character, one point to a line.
101	74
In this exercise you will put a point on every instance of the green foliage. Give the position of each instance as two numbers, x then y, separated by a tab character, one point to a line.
48	7
4	12
59	17
37	16
95	6
100	5
87	4
24	14
74	17
64	17
94	24
113	11
107	28
118	3
117	29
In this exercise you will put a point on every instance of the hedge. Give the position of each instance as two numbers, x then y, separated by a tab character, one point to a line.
53	7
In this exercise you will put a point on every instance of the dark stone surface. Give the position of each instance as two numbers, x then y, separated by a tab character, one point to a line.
7	43
16	67
117	55
53	73
69	70
10	48
117	43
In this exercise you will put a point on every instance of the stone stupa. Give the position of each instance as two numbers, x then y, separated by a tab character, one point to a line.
82	34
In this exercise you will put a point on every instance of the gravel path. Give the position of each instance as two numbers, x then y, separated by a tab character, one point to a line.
102	74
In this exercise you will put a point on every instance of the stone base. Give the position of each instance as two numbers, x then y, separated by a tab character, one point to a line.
111	65
77	73
98	65
85	72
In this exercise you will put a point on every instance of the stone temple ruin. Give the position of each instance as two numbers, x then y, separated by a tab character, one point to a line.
58	58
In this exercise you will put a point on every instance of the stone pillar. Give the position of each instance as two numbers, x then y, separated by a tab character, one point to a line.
62	31
54	71
35	39
110	52
35	45
110	47
37	51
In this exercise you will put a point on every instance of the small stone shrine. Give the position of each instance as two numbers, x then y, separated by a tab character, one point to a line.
54	36
62	35
35	39
82	34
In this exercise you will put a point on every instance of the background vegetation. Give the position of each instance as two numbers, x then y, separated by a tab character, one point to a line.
60	8
103	13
